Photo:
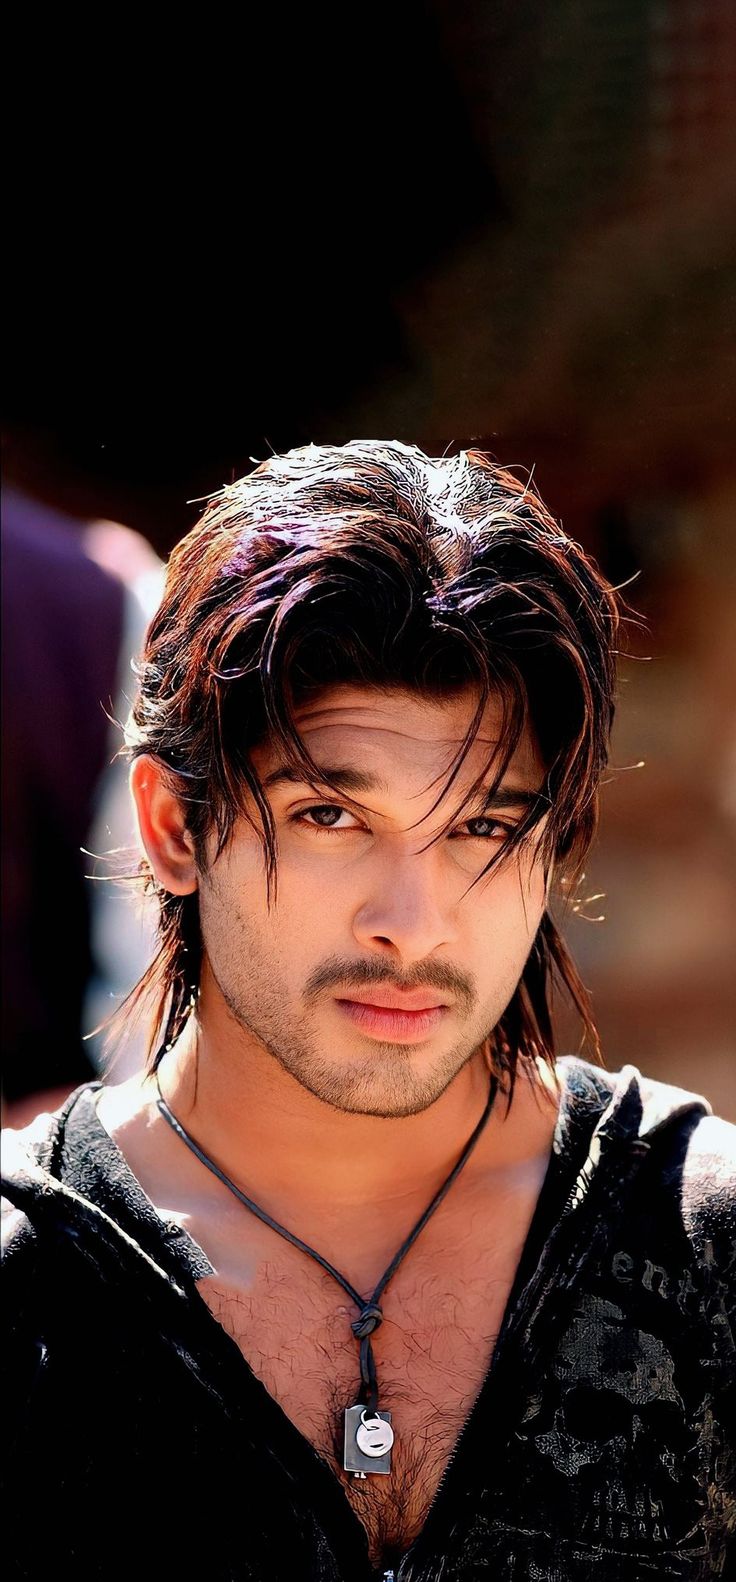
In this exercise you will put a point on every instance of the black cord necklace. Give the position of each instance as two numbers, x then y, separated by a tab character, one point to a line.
368	1432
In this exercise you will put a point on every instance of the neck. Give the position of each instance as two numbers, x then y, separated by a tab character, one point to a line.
278	1141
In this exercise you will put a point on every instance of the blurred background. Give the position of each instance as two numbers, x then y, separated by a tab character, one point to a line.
507	223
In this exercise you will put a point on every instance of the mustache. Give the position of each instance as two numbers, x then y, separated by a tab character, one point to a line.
336	973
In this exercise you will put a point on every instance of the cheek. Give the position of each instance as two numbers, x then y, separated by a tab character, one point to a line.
314	895
232	900
239	927
514	904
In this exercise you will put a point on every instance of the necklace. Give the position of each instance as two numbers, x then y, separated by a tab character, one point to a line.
368	1435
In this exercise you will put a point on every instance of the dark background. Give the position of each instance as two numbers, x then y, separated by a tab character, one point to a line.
509	223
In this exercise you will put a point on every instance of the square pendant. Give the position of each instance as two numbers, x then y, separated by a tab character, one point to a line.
368	1440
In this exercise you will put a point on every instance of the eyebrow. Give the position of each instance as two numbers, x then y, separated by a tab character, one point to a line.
345	779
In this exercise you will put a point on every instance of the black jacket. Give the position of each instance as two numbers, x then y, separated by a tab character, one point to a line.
138	1442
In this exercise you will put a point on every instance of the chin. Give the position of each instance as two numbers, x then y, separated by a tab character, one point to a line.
392	1094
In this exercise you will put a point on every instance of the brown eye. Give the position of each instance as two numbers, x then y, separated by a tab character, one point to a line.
318	812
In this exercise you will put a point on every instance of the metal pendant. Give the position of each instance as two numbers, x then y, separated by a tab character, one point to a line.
368	1440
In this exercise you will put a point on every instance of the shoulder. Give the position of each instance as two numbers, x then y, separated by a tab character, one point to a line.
31	1181
711	1154
26	1182
698	1154
688	1154
23	1185
708	1188
17	1235
689	1179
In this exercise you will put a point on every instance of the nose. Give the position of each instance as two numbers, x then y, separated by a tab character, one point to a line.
407	910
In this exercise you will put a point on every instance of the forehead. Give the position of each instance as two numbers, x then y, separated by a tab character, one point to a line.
400	728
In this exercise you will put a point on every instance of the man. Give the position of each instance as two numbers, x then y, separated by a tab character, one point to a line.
358	1281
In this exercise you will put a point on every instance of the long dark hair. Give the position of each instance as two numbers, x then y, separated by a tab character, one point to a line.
374	564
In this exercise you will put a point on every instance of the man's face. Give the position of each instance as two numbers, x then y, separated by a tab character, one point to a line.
363	910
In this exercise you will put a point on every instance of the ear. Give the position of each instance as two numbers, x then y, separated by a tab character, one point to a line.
161	822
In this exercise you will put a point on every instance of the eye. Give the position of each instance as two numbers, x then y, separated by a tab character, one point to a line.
494	829
319	811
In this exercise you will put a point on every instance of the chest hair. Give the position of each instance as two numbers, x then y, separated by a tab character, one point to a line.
432	1353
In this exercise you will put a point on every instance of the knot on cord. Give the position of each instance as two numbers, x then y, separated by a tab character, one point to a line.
368	1319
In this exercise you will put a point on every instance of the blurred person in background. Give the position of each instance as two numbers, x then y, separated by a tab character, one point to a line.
76	598
360	1275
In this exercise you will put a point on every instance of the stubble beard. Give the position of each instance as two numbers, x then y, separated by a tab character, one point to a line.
384	1082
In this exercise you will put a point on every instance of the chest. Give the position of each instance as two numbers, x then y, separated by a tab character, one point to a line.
442	1313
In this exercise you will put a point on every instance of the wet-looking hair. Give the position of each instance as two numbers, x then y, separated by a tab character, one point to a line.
373	564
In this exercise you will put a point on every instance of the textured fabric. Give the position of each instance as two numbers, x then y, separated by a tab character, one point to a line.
139	1441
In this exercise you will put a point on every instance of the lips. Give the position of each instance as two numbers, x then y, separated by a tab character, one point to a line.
391	1024
391	1000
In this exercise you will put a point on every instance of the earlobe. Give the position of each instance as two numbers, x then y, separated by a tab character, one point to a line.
162	827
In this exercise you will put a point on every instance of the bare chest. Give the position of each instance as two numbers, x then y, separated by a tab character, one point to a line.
442	1310
442	1315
